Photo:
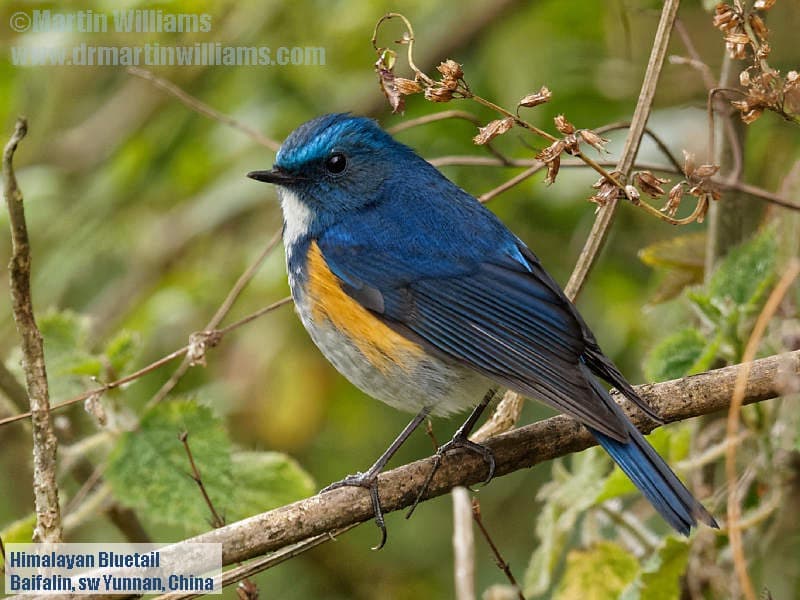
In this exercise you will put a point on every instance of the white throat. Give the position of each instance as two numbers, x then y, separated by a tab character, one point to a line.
296	217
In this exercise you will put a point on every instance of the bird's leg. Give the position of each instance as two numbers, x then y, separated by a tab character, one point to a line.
369	479
461	440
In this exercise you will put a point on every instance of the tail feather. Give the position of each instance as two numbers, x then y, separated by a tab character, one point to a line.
657	482
650	473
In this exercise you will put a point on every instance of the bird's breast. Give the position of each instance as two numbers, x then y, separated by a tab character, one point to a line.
329	304
373	356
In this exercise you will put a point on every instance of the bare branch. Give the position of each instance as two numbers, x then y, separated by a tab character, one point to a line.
45	444
605	216
524	447
315	520
203	108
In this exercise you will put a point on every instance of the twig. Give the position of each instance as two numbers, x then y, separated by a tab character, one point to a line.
45	444
216	334
514	181
220	314
203	108
501	563
263	563
732	430
463	545
695	60
433	118
216	519
487	161
594	243
86	487
661	144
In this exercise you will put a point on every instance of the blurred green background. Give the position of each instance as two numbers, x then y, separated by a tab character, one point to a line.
141	220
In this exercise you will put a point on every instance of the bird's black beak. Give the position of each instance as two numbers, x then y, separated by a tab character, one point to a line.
276	175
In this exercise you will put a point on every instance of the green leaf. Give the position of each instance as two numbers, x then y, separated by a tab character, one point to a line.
567	496
746	272
600	573
678	355
18	532
69	362
121	350
681	260
150	471
685	252
659	578
263	481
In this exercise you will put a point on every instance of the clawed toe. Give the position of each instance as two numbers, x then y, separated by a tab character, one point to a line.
364	480
457	442
368	481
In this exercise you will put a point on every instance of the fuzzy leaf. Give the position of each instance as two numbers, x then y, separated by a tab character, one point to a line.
601	572
263	481
18	532
659	579
745	274
149	469
121	350
676	356
567	496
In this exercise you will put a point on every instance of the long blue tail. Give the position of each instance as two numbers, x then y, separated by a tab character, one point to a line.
652	475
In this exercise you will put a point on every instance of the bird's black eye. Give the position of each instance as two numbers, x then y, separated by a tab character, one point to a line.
336	162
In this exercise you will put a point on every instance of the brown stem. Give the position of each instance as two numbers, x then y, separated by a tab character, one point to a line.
204	109
597	237
45	444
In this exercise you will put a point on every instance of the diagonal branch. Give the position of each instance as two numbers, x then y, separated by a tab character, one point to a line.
675	400
597	237
45	445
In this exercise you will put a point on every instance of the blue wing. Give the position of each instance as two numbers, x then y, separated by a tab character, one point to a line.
478	297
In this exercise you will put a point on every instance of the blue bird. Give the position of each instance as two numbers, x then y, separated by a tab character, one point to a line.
423	299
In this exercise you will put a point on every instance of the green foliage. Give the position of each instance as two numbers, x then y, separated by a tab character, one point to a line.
150	470
728	303
601	572
265	480
18	532
737	290
682	353
69	357
567	496
744	276
659	578
680	260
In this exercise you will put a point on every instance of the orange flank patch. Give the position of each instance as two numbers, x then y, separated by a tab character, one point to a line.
381	345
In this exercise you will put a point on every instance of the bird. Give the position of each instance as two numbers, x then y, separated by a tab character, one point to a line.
422	298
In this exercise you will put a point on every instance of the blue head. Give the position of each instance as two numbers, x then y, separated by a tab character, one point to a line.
332	165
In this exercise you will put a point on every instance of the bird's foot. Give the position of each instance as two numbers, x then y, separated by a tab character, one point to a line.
368	481
459	441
